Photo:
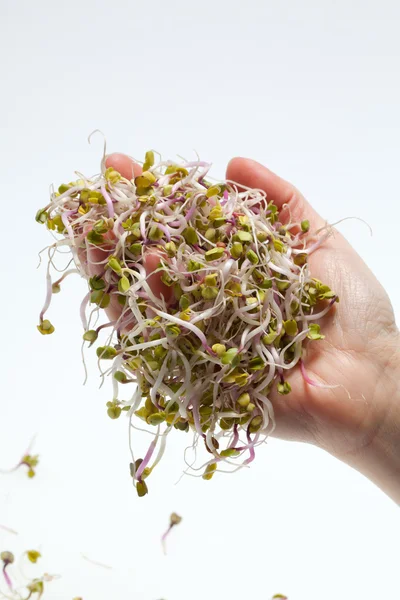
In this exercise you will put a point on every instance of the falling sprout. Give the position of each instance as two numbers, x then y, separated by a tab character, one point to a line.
34	588
8	559
8	530
33	556
28	460
174	520
95	562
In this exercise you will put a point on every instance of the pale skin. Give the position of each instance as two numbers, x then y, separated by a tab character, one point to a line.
358	421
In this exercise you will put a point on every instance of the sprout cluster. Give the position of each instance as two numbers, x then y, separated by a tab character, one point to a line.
227	321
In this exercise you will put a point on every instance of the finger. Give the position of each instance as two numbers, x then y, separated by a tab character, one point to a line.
158	287
124	164
252	174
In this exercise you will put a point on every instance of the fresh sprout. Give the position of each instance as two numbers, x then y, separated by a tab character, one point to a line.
173	521
28	460
33	589
8	559
237	305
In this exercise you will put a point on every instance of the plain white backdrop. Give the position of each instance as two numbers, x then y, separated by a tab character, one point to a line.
312	90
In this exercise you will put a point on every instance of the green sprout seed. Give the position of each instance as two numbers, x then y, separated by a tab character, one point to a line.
33	556
236	250
45	327
97	283
214	254
141	488
106	352
243	236
120	376
252	257
123	284
284	388
305	226
190	235
244	400
90	336
230	357
148	160
115	265
209	471
314	332
291	327
114	412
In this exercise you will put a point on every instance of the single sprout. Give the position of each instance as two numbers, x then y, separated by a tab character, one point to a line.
8	559
200	340
174	520
33	555
28	460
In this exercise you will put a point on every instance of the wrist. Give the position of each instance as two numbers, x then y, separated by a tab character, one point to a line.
379	460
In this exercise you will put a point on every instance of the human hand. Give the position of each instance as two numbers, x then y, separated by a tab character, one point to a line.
358	420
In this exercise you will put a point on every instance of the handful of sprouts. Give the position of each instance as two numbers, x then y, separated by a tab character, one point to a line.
209	302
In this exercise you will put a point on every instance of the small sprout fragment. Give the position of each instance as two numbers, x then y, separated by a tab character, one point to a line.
148	160
170	249
190	235
41	216
96	283
145	180
56	288
314	332
45	327
115	265
252	257
120	376
243	236
156	418
209	471
33	555
244	400
305	226
215	190
284	388
230	452
123	284
90	336
100	298
106	352
291	327
155	234
237	250
209	293
229	356
219	349
141	488
7	557
95	238
114	411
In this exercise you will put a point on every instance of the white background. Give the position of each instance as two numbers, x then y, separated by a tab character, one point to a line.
312	90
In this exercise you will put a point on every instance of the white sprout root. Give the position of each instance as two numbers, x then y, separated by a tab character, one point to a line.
232	307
